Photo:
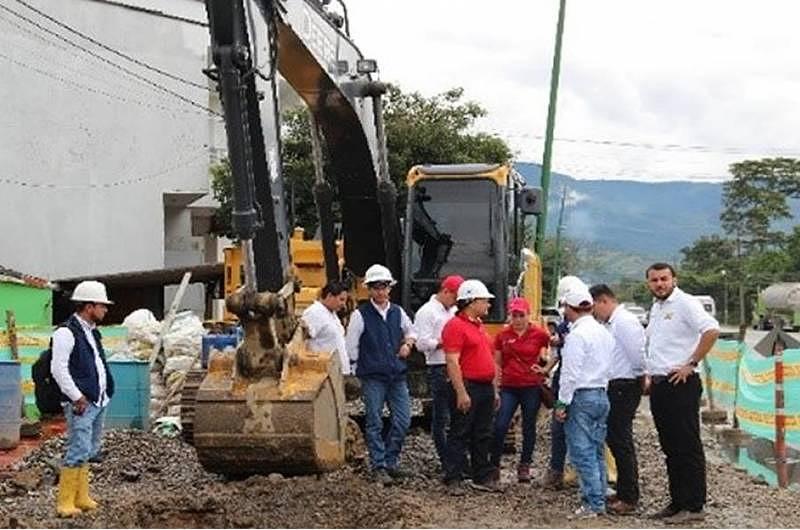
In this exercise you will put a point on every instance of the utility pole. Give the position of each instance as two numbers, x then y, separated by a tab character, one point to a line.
725	295
551	121
559	229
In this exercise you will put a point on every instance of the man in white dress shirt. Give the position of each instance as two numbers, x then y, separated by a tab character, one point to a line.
326	332
79	367
624	393
428	324
680	333
582	399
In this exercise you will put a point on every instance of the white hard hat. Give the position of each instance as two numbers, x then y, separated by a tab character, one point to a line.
378	273
567	284
91	291
472	289
580	297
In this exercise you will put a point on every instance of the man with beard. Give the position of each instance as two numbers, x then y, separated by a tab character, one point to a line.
680	334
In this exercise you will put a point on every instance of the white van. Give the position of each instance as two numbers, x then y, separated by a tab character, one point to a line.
708	304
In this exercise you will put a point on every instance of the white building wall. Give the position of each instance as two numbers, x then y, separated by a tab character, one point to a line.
88	151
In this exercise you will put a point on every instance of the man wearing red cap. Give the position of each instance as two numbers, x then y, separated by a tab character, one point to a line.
430	320
518	348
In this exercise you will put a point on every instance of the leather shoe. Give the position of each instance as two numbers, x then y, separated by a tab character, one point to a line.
667	511
619	507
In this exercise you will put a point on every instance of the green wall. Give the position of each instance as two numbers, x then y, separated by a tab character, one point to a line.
32	306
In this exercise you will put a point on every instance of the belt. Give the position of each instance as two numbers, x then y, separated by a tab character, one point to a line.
623	381
657	379
591	389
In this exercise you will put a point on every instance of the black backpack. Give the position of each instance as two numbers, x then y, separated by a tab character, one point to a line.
48	393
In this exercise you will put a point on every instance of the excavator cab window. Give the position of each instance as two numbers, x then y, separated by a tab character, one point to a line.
454	226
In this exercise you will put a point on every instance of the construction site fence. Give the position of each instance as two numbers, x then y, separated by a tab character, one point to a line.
742	381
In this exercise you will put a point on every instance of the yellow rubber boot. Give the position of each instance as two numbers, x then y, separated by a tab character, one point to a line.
82	499
67	490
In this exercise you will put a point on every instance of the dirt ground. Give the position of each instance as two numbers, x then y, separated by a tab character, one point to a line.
149	482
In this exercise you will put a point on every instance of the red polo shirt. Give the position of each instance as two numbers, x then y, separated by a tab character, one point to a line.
519	354
469	338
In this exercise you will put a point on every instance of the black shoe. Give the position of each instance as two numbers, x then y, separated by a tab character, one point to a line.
668	511
455	488
380	476
97	459
399	474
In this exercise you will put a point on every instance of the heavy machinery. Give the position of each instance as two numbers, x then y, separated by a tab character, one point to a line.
277	407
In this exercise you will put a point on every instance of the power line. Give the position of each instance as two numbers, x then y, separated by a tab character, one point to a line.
109	62
112	50
80	56
203	152
788	151
74	84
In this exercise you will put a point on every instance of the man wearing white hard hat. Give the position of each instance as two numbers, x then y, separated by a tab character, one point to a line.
79	367
470	366
379	340
558	442
582	399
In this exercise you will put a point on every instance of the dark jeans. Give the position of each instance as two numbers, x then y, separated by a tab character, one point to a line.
440	401
676	411
528	398
624	396
558	441
384	451
471	431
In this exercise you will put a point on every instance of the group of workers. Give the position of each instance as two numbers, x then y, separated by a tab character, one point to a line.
605	361
600	362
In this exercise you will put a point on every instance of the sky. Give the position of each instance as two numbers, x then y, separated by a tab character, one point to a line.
649	90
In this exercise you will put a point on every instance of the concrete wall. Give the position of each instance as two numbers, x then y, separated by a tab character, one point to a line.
89	152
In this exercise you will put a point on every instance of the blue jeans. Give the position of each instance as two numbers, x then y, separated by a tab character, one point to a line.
385	451
440	400
586	434
84	434
528	398
558	442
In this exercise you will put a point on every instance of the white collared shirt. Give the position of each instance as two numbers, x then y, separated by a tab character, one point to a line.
356	327
428	325
63	343
674	330
627	361
585	358
326	332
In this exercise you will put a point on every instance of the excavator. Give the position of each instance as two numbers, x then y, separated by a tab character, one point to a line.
275	406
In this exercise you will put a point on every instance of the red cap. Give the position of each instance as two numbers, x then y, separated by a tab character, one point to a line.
452	283
519	305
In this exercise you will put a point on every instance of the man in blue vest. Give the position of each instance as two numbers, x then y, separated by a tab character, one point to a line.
379	340
79	367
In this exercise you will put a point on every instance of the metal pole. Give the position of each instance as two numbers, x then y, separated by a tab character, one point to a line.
725	296
551	121
780	417
557	261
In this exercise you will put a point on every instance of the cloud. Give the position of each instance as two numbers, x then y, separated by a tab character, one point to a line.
716	80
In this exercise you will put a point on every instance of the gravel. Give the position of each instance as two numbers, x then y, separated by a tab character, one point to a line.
147	481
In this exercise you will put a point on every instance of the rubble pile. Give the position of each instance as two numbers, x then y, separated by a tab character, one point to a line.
148	481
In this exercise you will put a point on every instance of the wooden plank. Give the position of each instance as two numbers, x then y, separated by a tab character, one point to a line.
170	317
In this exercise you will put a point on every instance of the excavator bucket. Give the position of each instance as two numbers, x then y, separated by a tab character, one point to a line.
292	425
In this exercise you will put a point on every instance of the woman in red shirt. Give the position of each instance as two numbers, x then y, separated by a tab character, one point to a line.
519	349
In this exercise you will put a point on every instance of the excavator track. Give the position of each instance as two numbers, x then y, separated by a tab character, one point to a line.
188	401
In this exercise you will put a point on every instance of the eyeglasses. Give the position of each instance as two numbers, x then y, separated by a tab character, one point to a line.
380	285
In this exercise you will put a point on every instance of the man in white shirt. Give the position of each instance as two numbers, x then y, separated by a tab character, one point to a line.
379	340
680	333
80	370
326	332
428	324
582	399
624	393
